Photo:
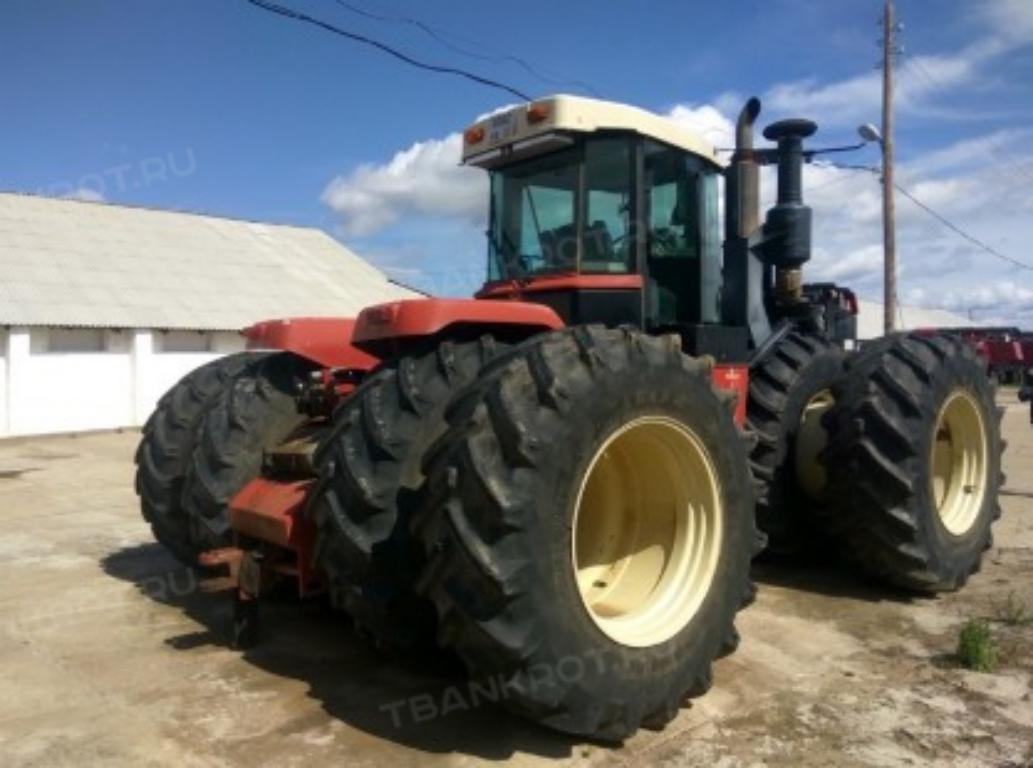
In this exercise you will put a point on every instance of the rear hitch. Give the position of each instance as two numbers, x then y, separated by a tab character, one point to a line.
244	572
274	542
245	601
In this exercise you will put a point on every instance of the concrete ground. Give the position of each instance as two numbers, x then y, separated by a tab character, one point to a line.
110	655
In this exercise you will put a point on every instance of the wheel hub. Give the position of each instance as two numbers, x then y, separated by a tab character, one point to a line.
959	462
647	531
811	439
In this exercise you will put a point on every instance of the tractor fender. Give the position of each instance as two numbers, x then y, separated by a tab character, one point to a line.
326	341
382	328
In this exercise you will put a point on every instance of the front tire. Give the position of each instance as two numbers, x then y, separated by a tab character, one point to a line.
914	461
591	530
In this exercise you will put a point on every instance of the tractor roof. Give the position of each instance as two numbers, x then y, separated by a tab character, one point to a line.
527	128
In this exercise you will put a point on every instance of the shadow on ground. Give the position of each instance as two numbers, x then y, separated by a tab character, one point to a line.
423	704
426	703
824	573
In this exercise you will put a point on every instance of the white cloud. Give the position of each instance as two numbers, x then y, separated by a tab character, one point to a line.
968	152
425	179
858	99
705	120
1003	302
920	78
1010	20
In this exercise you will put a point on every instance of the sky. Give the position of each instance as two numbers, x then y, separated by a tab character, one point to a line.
216	106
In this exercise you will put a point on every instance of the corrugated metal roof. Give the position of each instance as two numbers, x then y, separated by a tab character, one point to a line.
77	263
870	322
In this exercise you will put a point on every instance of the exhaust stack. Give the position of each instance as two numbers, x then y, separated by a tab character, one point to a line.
742	191
745	275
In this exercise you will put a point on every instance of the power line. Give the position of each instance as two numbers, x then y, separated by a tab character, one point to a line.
938	216
958	230
441	36
299	16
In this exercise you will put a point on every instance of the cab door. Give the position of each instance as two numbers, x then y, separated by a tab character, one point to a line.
683	246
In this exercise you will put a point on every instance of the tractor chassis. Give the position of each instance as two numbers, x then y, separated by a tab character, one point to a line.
274	536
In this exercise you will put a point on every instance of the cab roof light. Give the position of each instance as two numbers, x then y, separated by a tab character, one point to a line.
474	135
536	113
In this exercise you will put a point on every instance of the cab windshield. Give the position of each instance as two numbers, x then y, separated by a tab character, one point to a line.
568	211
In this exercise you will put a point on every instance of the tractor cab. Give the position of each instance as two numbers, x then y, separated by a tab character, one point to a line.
604	212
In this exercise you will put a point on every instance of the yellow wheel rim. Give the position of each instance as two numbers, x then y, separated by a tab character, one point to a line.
811	439
959	465
647	531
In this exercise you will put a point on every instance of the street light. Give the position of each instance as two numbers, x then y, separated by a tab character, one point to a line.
869	133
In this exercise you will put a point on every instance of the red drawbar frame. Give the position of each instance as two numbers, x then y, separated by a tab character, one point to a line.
273	511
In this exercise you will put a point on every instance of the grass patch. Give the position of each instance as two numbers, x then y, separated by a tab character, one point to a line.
1013	612
976	650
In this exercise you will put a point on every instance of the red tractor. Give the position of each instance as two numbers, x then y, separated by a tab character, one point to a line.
564	480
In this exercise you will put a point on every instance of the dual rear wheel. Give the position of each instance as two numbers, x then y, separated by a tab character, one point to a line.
914	462
892	453
206	440
589	529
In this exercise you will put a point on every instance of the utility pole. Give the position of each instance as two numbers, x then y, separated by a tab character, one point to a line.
889	227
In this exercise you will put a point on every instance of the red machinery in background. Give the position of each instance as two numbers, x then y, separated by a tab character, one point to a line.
1008	352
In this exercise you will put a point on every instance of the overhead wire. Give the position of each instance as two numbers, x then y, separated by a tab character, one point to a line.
442	37
939	217
962	233
290	13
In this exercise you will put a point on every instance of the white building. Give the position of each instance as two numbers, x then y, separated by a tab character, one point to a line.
104	307
870	319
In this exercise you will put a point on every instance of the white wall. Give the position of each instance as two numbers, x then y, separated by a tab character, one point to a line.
3	381
870	319
44	391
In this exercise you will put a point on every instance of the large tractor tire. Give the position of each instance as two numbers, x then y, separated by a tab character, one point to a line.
790	391
589	530
168	442
914	461
253	415
372	480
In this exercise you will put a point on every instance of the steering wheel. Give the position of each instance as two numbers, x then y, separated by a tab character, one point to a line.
663	242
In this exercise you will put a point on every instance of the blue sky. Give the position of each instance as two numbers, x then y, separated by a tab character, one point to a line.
215	106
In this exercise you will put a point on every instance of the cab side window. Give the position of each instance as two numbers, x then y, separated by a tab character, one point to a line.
673	206
606	246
